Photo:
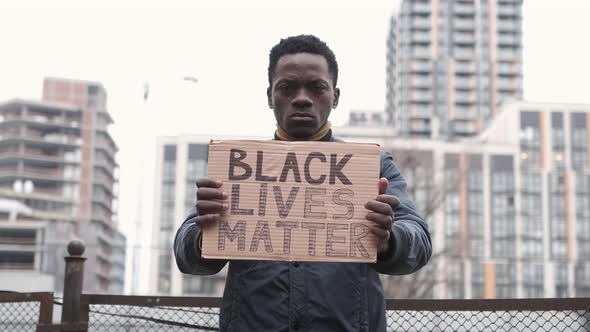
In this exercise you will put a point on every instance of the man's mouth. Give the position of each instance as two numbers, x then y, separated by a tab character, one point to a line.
301	115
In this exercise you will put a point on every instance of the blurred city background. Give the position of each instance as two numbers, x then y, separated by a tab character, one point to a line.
106	111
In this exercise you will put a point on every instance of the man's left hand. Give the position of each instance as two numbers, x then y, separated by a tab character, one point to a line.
381	214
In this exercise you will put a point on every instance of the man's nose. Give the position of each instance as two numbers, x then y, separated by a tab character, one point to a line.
302	99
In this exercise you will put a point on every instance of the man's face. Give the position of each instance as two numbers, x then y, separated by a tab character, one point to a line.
302	93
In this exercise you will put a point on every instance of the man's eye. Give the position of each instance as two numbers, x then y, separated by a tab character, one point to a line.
319	87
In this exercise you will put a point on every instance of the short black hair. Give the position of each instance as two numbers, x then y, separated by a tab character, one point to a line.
302	44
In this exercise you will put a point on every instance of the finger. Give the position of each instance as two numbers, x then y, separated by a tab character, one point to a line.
380	220
383	184
205	193
207	219
379	207
393	201
208	183
380	233
208	206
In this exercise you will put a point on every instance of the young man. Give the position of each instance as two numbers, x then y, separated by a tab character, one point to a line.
304	296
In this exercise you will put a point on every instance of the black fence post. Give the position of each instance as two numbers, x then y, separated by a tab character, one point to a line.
74	276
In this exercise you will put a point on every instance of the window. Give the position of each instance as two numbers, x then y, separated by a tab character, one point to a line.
505	280
561	284
17	260
533	280
583	215
477	280
196	169
455	278
168	192
474	180
169	170
582	280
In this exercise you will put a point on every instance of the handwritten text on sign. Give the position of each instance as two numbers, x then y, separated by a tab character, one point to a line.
294	200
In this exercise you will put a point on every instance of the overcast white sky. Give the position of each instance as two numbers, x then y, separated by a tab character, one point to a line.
225	45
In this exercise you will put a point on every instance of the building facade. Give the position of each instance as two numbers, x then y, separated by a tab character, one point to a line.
58	159
451	63
180	162
509	210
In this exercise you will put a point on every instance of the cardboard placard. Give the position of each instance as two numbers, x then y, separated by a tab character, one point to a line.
293	201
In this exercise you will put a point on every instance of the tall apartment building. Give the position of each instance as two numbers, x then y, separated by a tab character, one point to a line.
451	64
58	159
509	210
180	162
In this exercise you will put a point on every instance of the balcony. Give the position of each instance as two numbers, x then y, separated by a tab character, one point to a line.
421	112
420	37
44	174
465	98
466	53
462	38
34	136
421	66
420	8
35	155
464	25
464	113
507	54
105	167
105	202
419	127
507	84
104	275
464	9
509	69
106	146
509	39
101	216
421	96
52	215
508	26
508	10
56	121
464	83
419	81
421	23
464	128
421	52
103	179
464	67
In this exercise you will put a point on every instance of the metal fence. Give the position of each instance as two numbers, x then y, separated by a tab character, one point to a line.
201	314
147	313
25	311
113	313
522	315
143	313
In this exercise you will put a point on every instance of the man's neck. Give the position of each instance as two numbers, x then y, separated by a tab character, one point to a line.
323	134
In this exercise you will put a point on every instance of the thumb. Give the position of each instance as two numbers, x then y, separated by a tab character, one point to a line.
383	184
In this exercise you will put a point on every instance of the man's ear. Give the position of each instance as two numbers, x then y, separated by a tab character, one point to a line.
269	97
336	97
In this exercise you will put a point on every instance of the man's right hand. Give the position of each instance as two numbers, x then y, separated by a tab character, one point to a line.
211	201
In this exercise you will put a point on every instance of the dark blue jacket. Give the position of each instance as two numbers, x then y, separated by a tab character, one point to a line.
306	296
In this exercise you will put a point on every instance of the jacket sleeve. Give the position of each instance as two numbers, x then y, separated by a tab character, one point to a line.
187	251
410	245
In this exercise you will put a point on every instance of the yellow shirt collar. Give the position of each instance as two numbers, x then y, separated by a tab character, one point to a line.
323	131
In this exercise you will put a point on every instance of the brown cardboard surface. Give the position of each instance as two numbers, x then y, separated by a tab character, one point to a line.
293	201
